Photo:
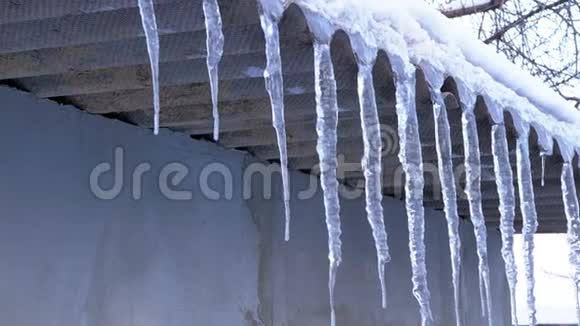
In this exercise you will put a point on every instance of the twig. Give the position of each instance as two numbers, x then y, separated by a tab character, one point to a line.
522	19
465	11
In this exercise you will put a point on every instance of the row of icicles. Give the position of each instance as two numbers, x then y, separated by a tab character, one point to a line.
410	156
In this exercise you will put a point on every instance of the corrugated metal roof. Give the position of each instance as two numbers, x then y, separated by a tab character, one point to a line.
92	54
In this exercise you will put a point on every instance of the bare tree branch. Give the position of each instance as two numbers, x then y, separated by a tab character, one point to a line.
557	275
540	36
500	33
573	99
465	11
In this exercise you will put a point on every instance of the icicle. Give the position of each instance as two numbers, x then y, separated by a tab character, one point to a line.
573	216
147	11
507	202
326	126
447	179
473	191
411	158
275	86
543	169
326	129
546	143
215	50
372	167
529	215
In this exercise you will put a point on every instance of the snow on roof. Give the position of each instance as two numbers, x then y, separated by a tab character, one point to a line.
413	31
450	5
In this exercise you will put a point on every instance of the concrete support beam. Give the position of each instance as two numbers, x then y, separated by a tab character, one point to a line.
233	90
351	145
296	132
171	73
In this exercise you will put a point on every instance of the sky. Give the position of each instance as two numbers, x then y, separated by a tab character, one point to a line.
555	301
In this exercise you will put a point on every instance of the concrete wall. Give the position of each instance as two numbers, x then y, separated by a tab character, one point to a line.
68	258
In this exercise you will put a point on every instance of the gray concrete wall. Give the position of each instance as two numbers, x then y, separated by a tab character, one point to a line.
68	258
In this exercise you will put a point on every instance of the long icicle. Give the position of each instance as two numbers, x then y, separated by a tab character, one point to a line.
411	158
573	216
275	86
215	50
473	192
372	167
529	215
447	178
147	10
326	128
505	189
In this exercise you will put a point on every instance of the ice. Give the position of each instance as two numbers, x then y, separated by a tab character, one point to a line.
529	214
546	143
573	216
448	188
326	126
372	165
215	50
543	157
473	192
446	176
147	10
254	72
411	158
507	202
326	129
275	86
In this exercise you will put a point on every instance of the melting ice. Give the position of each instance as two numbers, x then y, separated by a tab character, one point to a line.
473	191
505	190
449	191
372	167
147	11
215	50
411	158
327	122
530	217
573	216
275	87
